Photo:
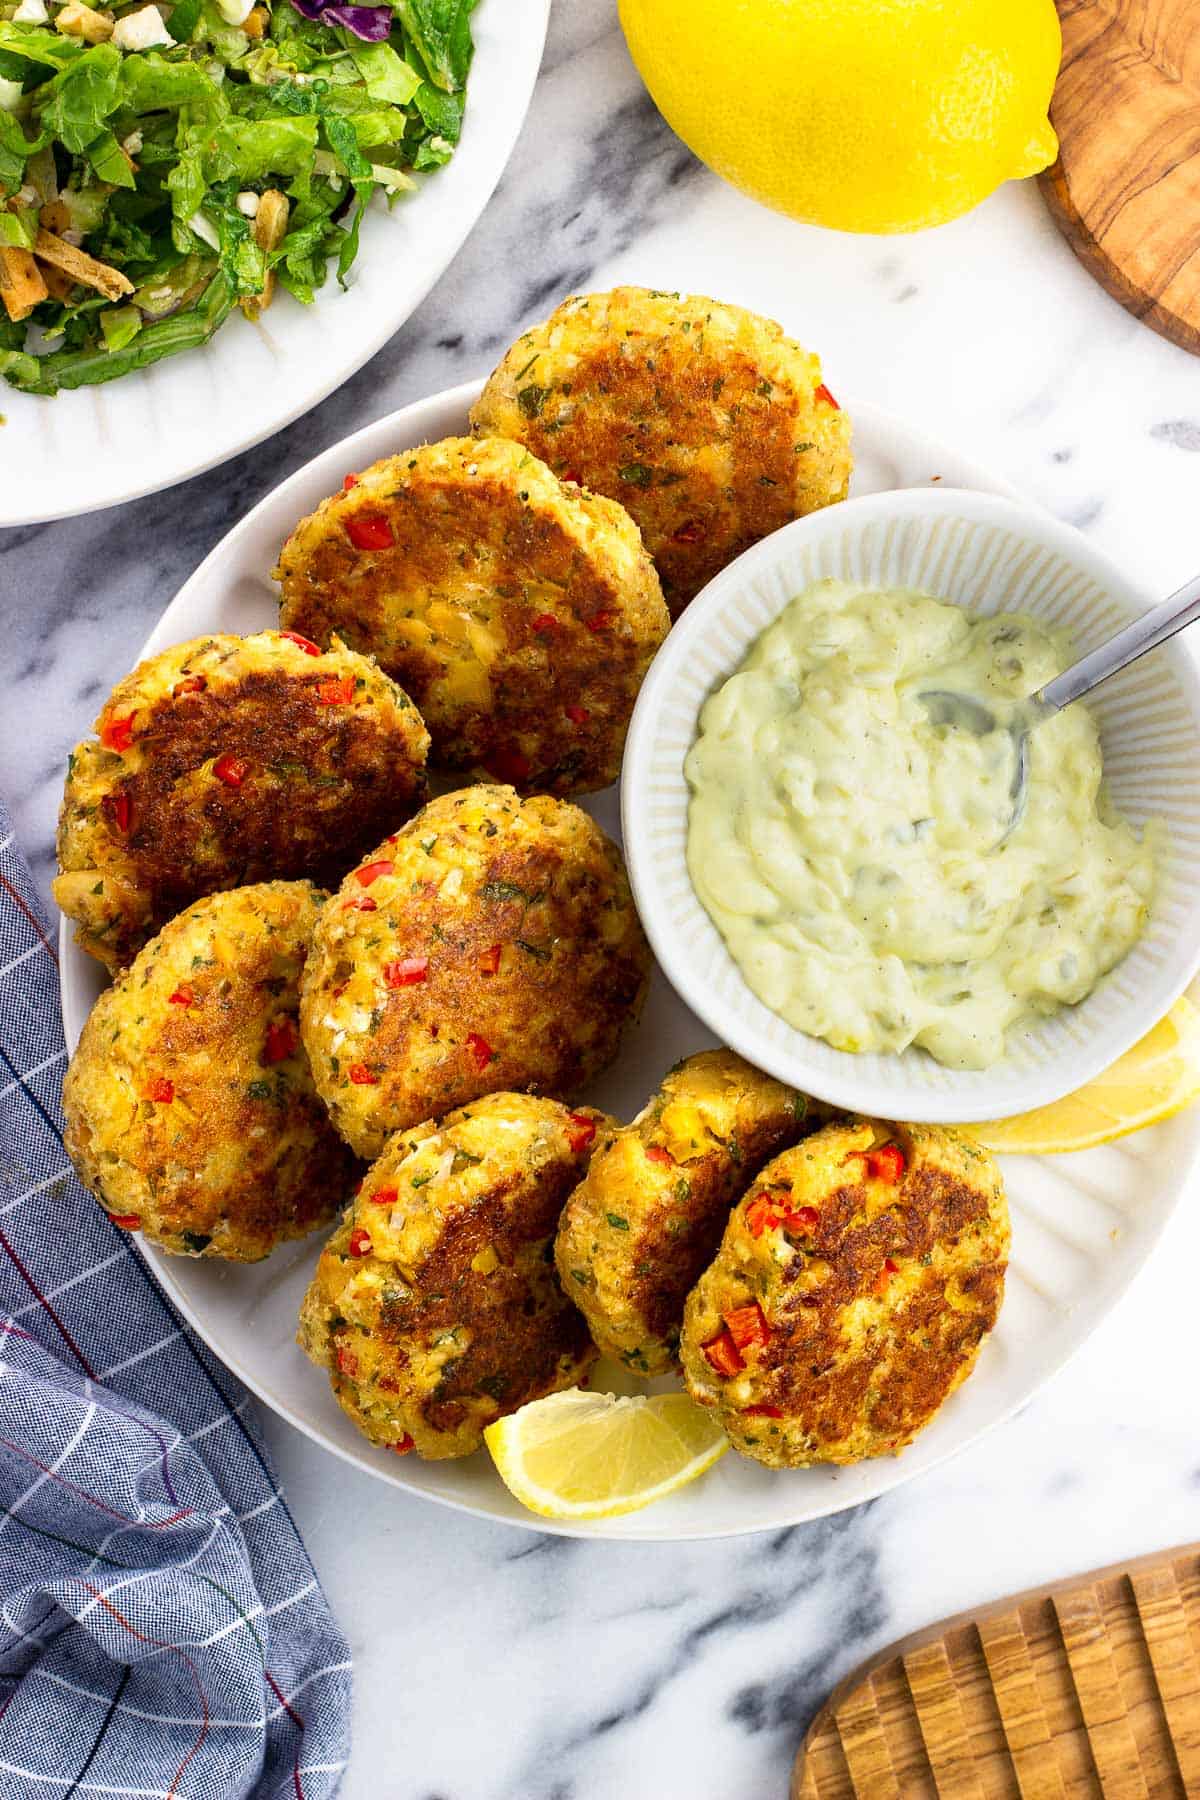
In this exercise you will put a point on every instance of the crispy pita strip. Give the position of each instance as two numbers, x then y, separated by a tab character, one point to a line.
81	267
59	285
77	20
270	229
55	217
21	283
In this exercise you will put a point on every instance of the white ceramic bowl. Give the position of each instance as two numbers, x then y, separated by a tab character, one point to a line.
989	555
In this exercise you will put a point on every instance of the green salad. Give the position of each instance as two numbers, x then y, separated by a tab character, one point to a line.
162	164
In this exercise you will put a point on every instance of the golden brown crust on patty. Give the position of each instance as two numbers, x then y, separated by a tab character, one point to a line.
708	424
492	943
646	1220
224	761
860	1293
190	1109
435	1306
521	615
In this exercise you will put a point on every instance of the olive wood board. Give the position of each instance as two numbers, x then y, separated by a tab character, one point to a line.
1088	1689
1126	187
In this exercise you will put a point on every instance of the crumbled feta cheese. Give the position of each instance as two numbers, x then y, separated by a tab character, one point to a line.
141	30
203	228
10	93
31	12
27	196
235	12
38	340
133	143
247	203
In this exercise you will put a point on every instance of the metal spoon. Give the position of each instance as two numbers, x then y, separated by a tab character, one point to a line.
968	714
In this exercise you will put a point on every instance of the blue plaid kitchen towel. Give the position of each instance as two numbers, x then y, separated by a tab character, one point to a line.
162	1632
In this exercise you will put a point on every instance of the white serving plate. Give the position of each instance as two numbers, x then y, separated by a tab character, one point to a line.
97	446
990	554
1082	1225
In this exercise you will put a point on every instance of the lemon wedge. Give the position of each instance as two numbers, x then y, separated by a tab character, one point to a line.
1157	1078
577	1455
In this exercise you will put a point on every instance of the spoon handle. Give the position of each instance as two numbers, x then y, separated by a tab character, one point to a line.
1153	628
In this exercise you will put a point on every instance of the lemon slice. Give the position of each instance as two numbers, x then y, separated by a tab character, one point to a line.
1158	1077
577	1455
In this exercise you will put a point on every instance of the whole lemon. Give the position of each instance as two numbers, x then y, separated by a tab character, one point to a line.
867	115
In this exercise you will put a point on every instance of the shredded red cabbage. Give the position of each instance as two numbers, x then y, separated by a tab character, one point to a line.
370	23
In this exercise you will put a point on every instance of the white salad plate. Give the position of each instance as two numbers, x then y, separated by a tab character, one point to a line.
1083	1225
78	451
989	554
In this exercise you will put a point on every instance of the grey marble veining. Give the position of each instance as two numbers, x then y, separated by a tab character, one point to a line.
494	1664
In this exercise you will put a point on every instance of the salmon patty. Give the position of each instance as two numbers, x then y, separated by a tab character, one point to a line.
646	1220
435	1307
226	761
492	943
190	1109
519	613
852	1290
708	424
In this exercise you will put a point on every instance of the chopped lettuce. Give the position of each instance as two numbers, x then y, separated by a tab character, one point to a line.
108	161
17	229
183	20
14	153
37	44
213	32
385	75
440	31
260	149
74	104
441	114
241	258
120	325
151	84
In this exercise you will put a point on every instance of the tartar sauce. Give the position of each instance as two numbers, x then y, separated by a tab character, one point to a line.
852	852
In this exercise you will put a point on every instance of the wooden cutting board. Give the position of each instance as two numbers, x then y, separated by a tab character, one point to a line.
1088	1690
1126	187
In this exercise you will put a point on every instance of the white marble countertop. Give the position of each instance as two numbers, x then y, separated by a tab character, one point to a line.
494	1664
